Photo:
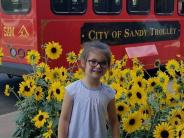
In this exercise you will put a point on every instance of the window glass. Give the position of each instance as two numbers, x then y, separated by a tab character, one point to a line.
69	6
138	6
16	6
164	6
107	6
181	7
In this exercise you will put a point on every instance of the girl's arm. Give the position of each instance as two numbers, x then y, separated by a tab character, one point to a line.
113	119
64	119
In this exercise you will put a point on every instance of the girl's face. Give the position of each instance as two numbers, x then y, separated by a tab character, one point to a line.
96	65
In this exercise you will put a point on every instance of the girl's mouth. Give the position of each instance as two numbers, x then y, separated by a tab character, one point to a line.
97	70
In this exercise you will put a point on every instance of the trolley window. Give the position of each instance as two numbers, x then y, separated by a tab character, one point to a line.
138	6
181	7
16	6
107	6
69	6
164	7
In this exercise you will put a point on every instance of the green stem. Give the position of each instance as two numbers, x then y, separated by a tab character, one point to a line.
16	95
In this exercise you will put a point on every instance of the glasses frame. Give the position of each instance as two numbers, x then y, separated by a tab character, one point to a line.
94	63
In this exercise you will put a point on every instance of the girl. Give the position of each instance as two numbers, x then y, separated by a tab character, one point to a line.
88	103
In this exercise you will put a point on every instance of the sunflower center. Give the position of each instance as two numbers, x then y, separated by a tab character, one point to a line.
33	57
129	95
176	122
164	134
146	112
63	74
140	84
58	91
120	108
180	133
139	95
37	93
172	100
178	116
40	118
132	122
121	79
130	86
153	84
55	75
26	88
110	73
53	50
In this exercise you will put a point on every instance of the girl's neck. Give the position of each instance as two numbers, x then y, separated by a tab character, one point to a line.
91	83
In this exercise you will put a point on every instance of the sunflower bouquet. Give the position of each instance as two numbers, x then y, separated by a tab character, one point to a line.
146	108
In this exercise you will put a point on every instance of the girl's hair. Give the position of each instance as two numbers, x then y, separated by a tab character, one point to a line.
96	45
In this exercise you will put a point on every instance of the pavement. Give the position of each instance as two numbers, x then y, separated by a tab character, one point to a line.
7	124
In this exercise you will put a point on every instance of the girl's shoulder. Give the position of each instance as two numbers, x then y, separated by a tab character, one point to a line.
109	91
71	88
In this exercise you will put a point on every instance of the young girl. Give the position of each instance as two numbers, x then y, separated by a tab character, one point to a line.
88	103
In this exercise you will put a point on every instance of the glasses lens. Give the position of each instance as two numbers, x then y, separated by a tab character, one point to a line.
94	63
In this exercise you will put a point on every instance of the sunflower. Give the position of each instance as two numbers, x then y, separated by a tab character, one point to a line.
139	95
53	50
171	99
151	83
119	90
49	132
80	52
112	59
127	74
33	57
63	73
41	69
146	110
133	122
163	130
163	78
129	98
138	72
58	90
172	66
78	74
38	93
136	63
141	82
118	64
26	89
7	90
175	121
146	122
181	67
180	131
54	75
122	108
160	90
50	94
124	60
71	57
176	113
40	119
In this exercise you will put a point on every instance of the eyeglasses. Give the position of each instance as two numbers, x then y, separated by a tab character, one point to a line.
94	63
